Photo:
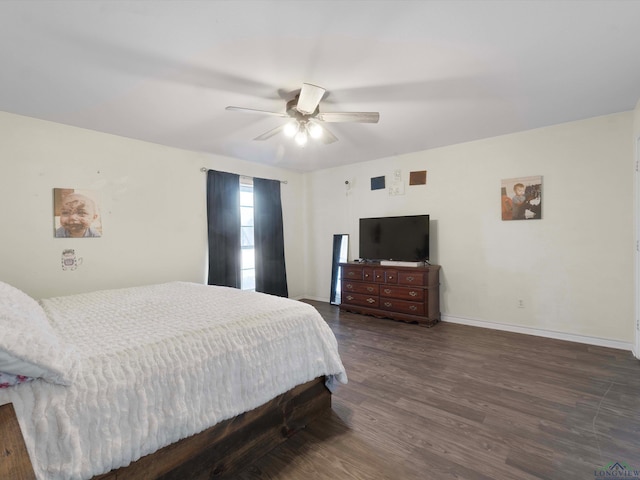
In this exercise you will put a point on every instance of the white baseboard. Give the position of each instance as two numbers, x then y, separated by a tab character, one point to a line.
601	342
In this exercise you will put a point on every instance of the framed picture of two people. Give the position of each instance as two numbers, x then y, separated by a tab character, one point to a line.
522	198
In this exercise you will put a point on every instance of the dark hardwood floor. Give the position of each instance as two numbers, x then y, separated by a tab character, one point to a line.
459	402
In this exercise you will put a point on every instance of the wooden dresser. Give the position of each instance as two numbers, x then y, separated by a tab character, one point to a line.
410	294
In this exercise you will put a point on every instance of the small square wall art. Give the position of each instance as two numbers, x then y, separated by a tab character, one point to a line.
377	183
521	198
418	178
76	213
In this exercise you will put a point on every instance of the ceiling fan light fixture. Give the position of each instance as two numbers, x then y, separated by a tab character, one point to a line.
290	129
304	118
301	137
315	130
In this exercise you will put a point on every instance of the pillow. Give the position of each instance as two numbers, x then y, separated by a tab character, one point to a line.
9	380
28	344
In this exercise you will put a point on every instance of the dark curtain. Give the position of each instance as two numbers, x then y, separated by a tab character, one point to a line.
223	218
271	275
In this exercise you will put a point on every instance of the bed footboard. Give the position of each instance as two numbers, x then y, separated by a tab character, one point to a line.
14	458
218	452
224	449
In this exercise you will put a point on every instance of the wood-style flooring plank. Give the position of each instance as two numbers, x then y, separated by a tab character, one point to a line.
464	403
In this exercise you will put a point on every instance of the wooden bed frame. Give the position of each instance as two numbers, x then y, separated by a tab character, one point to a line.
218	452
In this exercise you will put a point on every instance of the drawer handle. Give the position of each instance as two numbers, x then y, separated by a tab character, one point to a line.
349	286
387	291
369	289
370	300
351	274
413	307
387	304
349	297
410	279
366	275
413	294
390	277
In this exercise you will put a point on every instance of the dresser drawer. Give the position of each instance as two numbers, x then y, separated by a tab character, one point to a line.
403	293
412	278
402	306
367	274
391	276
360	299
359	287
385	276
352	273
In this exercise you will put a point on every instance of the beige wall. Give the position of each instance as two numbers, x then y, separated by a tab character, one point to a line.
573	269
152	202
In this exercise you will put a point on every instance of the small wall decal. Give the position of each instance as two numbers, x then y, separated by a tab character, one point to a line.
396	187
377	183
76	213
418	178
521	198
69	259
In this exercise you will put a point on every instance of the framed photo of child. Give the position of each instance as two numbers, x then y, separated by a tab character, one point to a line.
521	198
76	213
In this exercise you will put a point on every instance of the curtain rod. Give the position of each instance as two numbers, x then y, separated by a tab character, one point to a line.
205	170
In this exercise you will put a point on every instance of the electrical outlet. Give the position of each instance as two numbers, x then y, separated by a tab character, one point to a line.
520	303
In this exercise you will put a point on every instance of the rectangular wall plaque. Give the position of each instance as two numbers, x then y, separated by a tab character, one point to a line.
418	178
377	183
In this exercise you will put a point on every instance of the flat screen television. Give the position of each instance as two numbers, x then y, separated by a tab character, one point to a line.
403	238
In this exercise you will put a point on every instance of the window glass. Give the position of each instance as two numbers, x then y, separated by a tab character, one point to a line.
248	258
246	216
246	195
248	279
246	237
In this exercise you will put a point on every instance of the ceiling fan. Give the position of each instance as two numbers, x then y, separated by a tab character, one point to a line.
306	118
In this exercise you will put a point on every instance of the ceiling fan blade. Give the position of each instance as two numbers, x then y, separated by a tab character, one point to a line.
327	136
310	96
253	110
270	133
360	117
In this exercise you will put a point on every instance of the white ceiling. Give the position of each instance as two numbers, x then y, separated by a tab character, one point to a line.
439	72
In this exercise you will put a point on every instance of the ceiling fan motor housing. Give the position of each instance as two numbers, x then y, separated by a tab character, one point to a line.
293	112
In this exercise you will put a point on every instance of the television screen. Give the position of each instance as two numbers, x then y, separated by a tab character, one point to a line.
403	238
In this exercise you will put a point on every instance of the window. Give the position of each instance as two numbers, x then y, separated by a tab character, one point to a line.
248	265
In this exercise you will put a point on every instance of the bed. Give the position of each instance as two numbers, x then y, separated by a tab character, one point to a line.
106	383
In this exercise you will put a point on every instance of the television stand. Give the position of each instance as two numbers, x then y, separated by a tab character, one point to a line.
408	294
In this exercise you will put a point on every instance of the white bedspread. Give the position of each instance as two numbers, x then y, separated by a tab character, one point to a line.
156	364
